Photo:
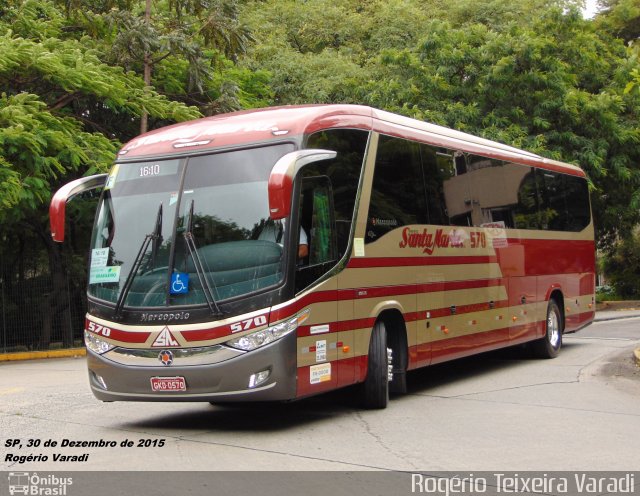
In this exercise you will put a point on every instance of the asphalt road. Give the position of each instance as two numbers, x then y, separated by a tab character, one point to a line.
499	411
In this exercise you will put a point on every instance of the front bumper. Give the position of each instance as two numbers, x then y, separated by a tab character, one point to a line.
225	381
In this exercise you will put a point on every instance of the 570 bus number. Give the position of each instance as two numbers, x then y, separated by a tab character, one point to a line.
245	325
478	239
99	329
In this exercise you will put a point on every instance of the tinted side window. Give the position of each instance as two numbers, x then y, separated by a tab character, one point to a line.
438	167
565	202
493	192
578	209
527	211
397	195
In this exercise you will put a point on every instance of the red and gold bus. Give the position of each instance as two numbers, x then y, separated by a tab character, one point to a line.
423	244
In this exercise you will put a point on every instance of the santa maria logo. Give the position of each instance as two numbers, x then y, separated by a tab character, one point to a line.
165	339
429	241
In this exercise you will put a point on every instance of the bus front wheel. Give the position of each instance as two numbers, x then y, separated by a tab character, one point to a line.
549	346
375	390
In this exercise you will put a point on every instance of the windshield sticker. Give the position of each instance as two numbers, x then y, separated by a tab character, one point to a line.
319	329
173	199
496	233
111	180
321	351
358	247
179	283
99	257
104	274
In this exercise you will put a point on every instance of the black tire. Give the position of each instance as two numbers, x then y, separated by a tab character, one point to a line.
399	383
549	346
375	390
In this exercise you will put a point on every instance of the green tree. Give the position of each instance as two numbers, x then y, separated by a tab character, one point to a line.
620	17
59	105
622	266
185	44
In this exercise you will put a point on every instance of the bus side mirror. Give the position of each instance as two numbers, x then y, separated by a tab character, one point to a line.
63	195
282	176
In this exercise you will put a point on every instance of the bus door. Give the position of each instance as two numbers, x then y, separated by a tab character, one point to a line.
318	348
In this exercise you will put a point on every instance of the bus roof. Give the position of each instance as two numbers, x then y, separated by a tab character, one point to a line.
280	123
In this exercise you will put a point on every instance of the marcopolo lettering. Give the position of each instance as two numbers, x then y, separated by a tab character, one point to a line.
164	317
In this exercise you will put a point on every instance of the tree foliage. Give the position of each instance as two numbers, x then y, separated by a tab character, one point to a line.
536	75
622	266
61	106
183	48
54	89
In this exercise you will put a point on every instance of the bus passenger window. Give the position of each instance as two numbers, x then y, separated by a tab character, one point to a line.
397	195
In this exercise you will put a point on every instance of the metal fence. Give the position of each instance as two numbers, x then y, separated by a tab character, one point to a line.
31	318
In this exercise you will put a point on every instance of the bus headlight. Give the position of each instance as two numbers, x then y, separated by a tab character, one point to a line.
254	340
95	344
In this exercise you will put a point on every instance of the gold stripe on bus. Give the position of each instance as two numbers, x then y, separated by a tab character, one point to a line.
321	313
472	296
371	307
396	276
390	242
468	324
578	304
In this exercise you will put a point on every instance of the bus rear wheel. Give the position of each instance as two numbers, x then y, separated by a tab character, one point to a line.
549	346
375	390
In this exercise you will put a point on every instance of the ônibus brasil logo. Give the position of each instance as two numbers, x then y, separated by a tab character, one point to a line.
41	485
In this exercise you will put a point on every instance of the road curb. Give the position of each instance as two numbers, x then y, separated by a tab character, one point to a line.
36	355
613	316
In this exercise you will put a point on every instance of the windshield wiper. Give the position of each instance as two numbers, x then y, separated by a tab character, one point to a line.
156	237
197	263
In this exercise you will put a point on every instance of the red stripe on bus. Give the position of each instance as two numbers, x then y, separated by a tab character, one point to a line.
119	335
295	306
433	287
206	334
339	326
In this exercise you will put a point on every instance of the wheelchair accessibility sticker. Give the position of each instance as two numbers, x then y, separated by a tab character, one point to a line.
179	283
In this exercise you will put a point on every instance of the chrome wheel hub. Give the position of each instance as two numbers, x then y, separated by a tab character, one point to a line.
553	329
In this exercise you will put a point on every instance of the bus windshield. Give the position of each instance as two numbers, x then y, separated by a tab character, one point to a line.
187	231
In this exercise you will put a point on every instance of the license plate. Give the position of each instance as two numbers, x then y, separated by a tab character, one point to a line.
161	384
